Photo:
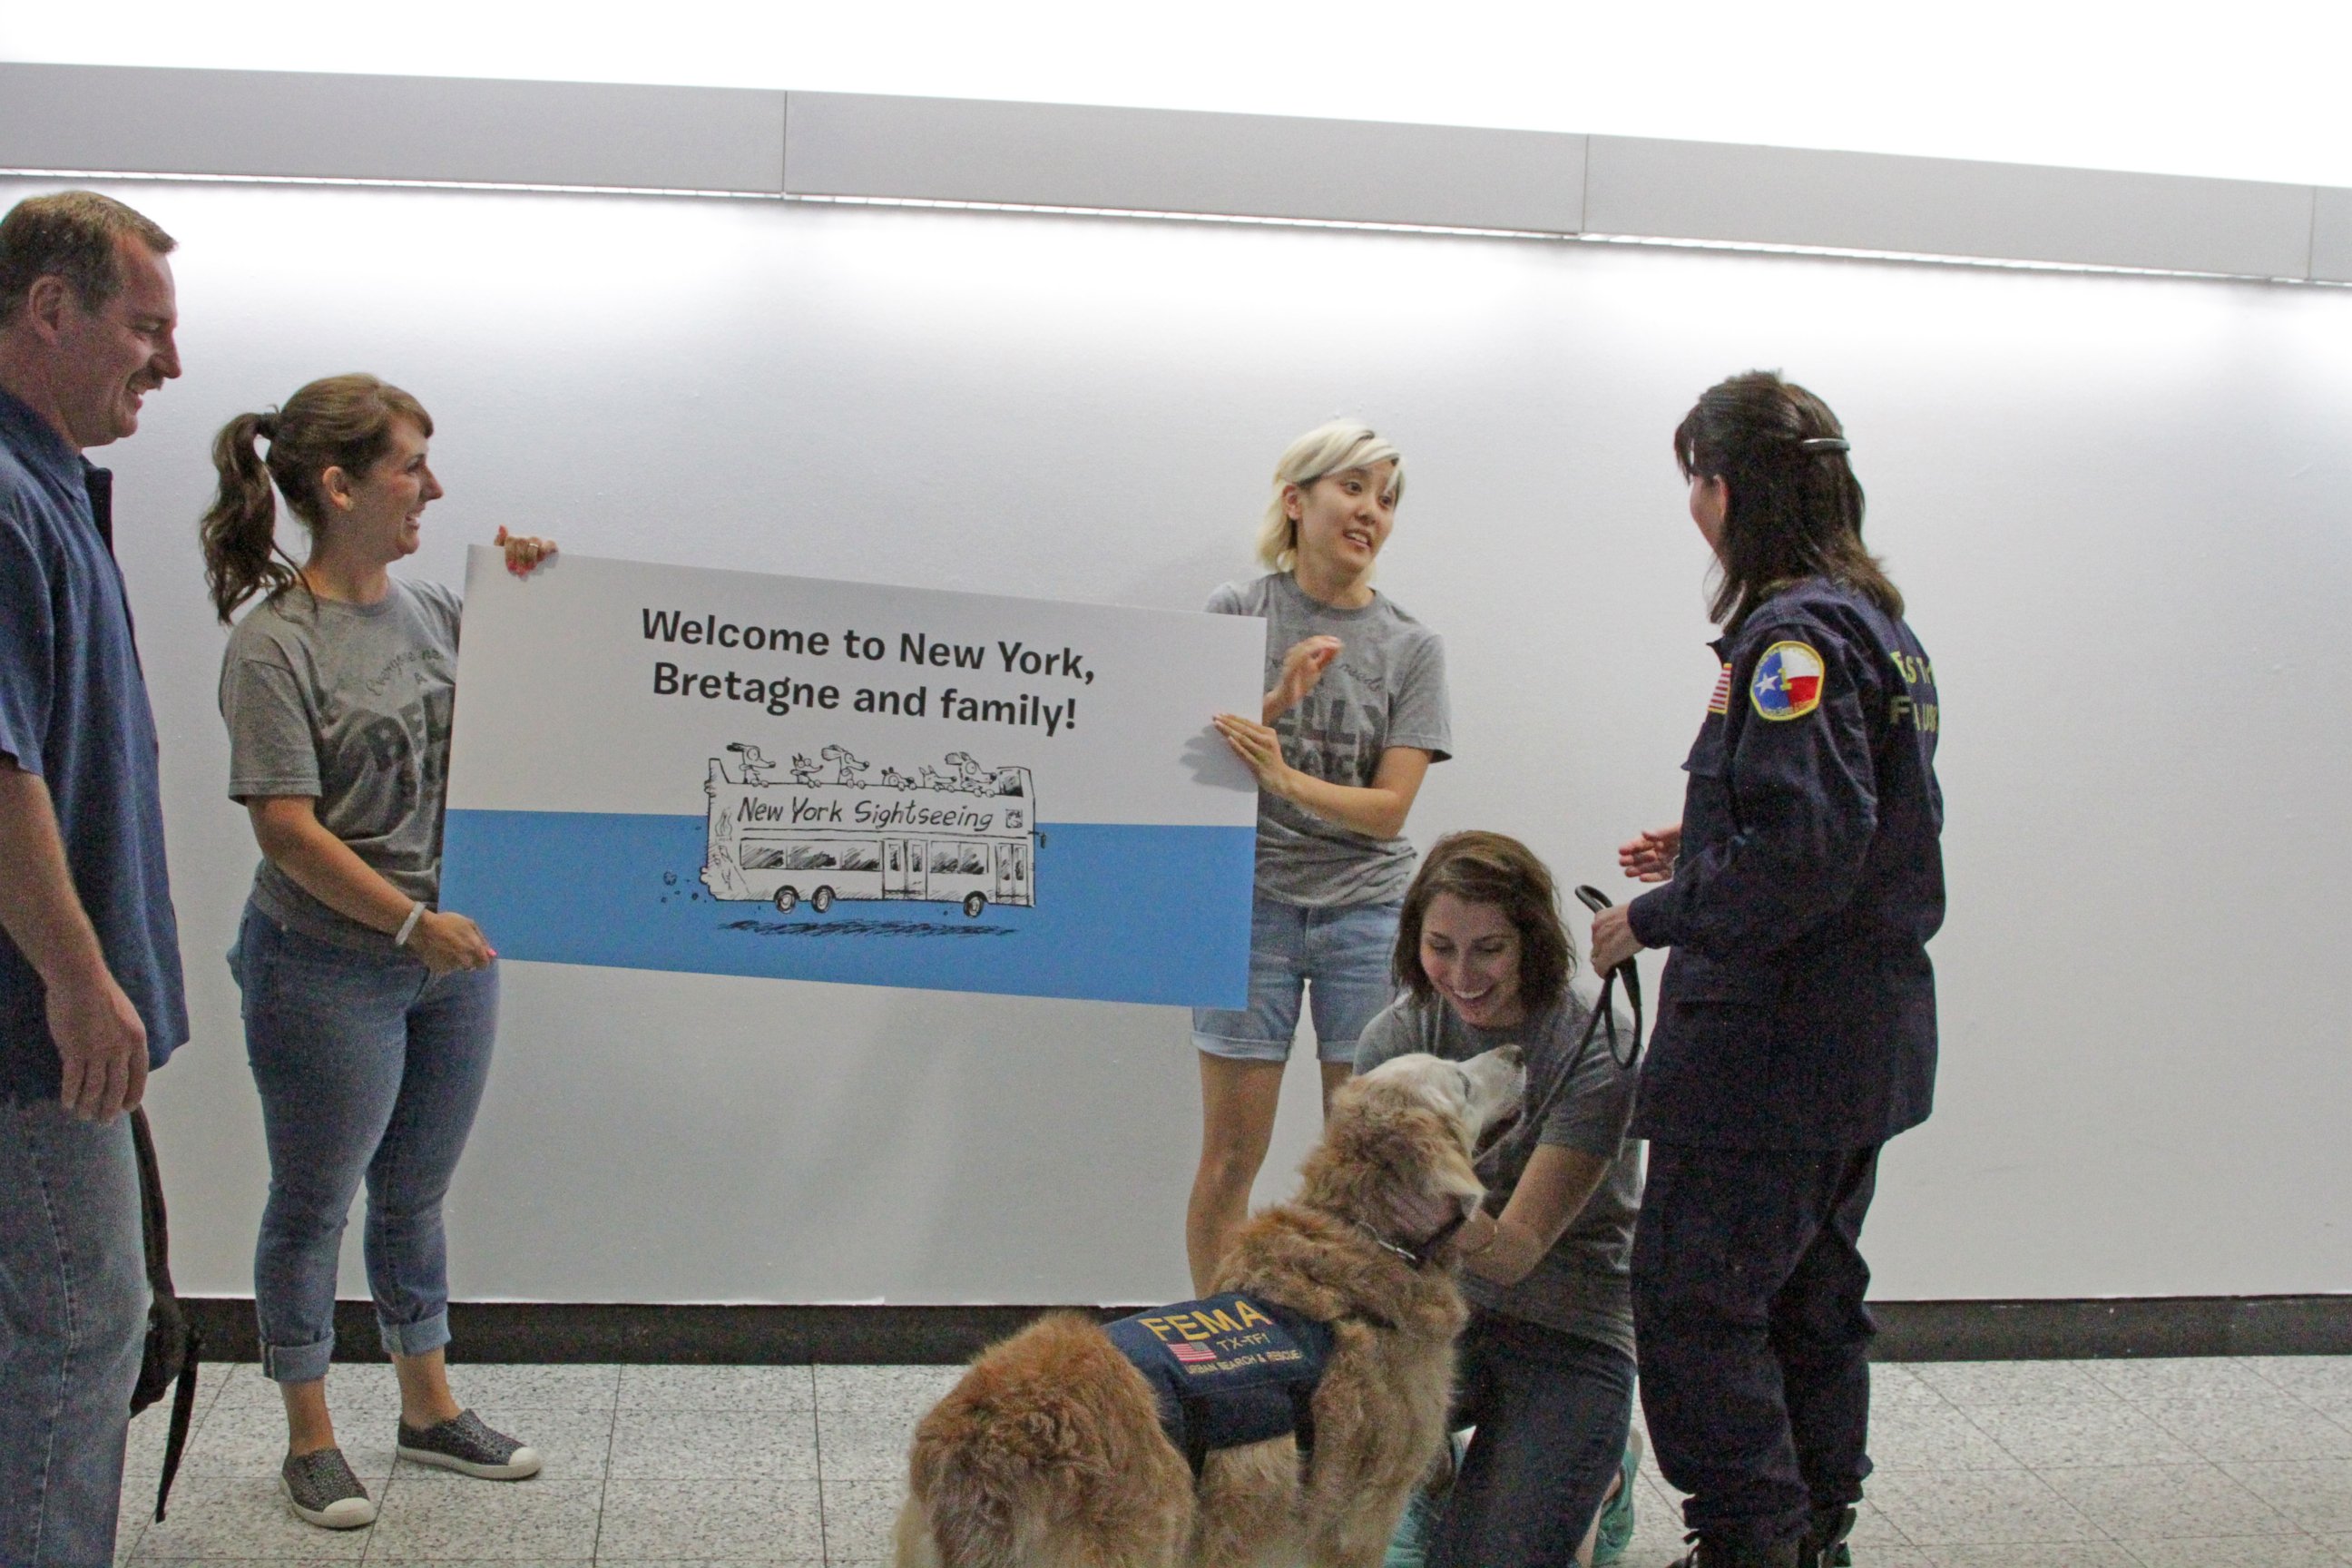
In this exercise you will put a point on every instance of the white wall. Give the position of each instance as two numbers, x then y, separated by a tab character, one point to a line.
2119	505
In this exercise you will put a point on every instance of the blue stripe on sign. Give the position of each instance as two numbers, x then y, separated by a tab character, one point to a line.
1124	913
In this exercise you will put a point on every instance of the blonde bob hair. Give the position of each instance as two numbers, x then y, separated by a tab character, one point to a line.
1332	448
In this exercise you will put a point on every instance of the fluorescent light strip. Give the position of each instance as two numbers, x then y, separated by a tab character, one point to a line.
1737	247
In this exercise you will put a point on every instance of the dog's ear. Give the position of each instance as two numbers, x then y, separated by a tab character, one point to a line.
1453	1183
1393	1160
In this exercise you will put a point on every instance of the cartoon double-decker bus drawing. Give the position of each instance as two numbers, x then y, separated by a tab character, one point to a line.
821	832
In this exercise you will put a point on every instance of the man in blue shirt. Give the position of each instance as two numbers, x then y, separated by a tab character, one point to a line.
91	995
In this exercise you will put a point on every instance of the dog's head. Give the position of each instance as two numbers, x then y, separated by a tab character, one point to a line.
1396	1148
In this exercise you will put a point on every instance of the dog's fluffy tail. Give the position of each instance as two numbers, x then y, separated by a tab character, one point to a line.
1048	1452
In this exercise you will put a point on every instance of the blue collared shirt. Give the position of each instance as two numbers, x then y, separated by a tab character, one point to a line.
74	709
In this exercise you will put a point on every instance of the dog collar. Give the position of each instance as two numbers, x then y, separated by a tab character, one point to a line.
1419	1253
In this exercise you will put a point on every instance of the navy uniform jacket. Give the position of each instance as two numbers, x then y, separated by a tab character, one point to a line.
1798	1006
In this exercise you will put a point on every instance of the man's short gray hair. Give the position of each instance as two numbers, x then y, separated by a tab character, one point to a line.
71	234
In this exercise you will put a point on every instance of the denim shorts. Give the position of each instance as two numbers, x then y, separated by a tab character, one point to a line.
1338	957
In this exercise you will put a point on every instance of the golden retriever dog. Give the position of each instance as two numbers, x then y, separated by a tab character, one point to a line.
1050	1453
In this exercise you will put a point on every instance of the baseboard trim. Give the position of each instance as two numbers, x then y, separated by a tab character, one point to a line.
505	1331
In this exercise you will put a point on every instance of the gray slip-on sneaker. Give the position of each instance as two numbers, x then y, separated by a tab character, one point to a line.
323	1491
466	1443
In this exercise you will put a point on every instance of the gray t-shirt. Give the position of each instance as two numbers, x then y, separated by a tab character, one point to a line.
349	704
1386	689
1582	1286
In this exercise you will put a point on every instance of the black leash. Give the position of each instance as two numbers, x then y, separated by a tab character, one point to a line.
1596	901
1604	1016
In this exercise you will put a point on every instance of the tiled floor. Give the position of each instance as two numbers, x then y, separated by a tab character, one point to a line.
2163	1464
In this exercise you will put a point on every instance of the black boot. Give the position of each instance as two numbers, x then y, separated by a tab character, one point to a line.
1824	1543
1704	1553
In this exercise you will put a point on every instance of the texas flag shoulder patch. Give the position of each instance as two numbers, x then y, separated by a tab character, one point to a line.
1788	681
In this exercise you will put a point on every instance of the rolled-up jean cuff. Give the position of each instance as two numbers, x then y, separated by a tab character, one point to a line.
415	1338
296	1364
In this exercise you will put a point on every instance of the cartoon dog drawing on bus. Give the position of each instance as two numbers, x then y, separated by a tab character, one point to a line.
968	838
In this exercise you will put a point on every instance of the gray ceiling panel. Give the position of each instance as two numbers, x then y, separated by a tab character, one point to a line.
284	125
1934	206
1137	160
2331	236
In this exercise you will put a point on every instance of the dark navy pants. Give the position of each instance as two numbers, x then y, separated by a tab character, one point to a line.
1754	1343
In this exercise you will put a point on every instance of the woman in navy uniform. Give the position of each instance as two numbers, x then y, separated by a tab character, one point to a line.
1797	1030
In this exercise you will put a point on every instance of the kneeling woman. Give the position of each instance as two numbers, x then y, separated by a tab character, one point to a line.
1547	1369
368	1012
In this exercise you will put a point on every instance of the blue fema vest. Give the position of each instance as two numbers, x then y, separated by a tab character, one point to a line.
1228	1370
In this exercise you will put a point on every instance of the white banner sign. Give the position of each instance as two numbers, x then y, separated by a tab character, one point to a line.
669	767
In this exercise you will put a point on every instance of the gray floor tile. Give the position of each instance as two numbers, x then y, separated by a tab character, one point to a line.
438	1516
762	1519
2066	1432
2235	1551
132	1514
866	1445
2263	1424
714	1563
859	1517
2160	1502
685	1444
1976	1507
2326	1376
493	1390
357	1391
2043	1554
242	1517
914	1389
1923	1436
2177	1378
717	1388
1872	1529
1894	1385
2316	1494
142	1458
1969	1383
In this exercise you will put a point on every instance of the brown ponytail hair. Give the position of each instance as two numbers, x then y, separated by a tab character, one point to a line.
340	422
1795	507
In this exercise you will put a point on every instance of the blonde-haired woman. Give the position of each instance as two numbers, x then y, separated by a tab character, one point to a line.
1355	711
369	1012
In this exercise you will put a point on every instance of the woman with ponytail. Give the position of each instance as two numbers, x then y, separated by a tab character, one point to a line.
1797	1029
369	1012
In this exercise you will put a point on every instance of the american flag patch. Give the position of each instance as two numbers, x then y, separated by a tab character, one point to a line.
1721	701
1191	1352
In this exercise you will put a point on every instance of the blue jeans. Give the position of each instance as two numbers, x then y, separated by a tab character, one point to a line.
1338	957
73	1321
1552	1411
368	1066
